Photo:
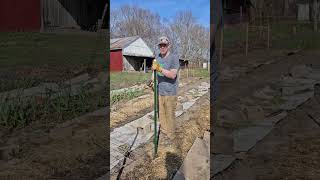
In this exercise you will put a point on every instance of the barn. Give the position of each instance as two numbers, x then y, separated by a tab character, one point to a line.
130	54
42	15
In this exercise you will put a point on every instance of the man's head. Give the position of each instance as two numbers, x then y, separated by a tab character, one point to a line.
164	45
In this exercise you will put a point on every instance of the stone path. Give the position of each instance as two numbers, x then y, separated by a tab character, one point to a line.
295	91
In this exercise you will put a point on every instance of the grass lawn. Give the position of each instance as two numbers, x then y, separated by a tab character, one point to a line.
120	80
29	58
281	34
48	48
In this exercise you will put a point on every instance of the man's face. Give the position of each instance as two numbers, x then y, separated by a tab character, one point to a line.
163	48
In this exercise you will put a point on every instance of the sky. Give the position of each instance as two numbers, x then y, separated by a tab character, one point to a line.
168	8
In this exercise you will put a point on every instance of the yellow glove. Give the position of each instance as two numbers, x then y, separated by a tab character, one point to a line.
156	66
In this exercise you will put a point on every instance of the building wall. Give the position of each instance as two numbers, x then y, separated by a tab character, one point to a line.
17	15
128	63
85	12
116	60
138	48
56	15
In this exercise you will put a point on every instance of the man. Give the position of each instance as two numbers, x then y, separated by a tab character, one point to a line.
167	66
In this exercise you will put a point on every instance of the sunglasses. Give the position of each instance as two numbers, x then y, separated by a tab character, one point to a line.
162	45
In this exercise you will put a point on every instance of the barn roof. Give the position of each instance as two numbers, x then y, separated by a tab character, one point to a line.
120	43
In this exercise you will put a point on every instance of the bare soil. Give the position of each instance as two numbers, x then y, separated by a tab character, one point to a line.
291	150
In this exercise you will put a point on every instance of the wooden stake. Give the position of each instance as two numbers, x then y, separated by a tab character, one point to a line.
188	71
240	14
221	45
294	29
268	45
247	34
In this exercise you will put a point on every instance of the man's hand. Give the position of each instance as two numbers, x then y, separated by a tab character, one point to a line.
150	84
156	66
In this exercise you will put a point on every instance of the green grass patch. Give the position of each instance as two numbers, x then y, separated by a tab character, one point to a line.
281	34
19	112
198	72
23	48
204	73
126	95
120	80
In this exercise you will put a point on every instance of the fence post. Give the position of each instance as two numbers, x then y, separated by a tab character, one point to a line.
240	14
221	45
247	34
145	65
268	35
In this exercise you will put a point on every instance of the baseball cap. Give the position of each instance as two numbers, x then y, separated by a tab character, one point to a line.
163	40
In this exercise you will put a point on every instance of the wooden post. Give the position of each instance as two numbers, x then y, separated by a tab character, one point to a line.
188	71
247	34
260	28
221	45
294	29
268	35
240	14
41	16
193	69
145	65
315	16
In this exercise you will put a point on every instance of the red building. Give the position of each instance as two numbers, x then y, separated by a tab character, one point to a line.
17	15
130	54
37	15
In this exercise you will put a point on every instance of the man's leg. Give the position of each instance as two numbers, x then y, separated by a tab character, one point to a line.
162	115
170	109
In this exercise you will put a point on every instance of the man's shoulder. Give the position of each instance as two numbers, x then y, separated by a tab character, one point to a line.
174	56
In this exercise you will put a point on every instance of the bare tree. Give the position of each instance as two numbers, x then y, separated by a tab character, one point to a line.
315	15
189	39
135	21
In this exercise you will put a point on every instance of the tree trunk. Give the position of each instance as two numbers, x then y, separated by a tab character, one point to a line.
286	8
315	15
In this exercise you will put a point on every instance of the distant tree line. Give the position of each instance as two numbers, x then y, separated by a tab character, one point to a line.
190	40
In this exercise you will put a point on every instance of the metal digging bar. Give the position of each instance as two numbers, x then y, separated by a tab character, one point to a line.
155	88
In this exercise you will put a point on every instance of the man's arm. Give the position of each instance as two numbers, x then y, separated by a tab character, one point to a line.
172	73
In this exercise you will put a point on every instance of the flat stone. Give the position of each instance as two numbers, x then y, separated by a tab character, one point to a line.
290	81
178	113
187	105
79	79
92	81
290	90
253	112
206	138
222	162
271	121
245	139
292	102
100	112
222	141
227	117
104	177
196	164
317	90
300	71
262	94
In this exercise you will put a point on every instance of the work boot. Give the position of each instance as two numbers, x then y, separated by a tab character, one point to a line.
167	142
164	140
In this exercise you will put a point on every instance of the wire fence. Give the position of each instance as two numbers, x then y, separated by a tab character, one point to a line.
267	33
